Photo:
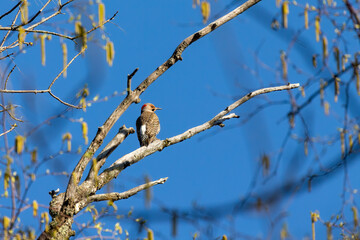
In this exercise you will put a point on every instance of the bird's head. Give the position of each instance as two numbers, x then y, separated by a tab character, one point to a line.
149	107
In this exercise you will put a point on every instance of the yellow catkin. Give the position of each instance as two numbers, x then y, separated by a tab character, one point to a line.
342	141
284	234
19	144
45	219
314	219
24	11
110	52
81	33
84	128
101	13
351	143
67	137
325	48
283	64
6	222
322	84
43	53
326	108
35	208
302	89
21	37
314	61
205	11
150	234
118	228
34	156
329	231
306	16
355	215
65	57
285	13
344	60
317	28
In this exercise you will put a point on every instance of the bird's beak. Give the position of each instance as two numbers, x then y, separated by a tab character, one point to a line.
158	108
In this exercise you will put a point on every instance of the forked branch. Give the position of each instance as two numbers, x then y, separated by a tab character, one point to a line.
114	170
114	196
134	96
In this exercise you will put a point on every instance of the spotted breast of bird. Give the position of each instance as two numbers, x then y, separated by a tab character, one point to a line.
148	124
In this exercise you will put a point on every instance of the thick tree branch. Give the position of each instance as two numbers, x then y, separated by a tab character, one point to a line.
134	96
110	147
114	170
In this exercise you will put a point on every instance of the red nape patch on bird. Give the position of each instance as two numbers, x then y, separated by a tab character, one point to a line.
143	107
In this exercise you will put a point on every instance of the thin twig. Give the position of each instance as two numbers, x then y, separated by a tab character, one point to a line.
8	76
65	103
10	113
64	69
129	77
33	18
98	26
6	132
24	91
8	12
7	34
10	54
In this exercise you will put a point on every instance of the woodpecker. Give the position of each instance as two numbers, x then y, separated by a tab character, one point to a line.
147	125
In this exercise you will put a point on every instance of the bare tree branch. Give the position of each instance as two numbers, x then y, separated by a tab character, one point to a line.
34	17
24	91
114	196
89	187
65	103
129	78
134	96
135	156
64	69
8	33
6	132
110	147
11	10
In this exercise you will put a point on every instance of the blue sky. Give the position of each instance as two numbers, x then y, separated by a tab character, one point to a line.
213	169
